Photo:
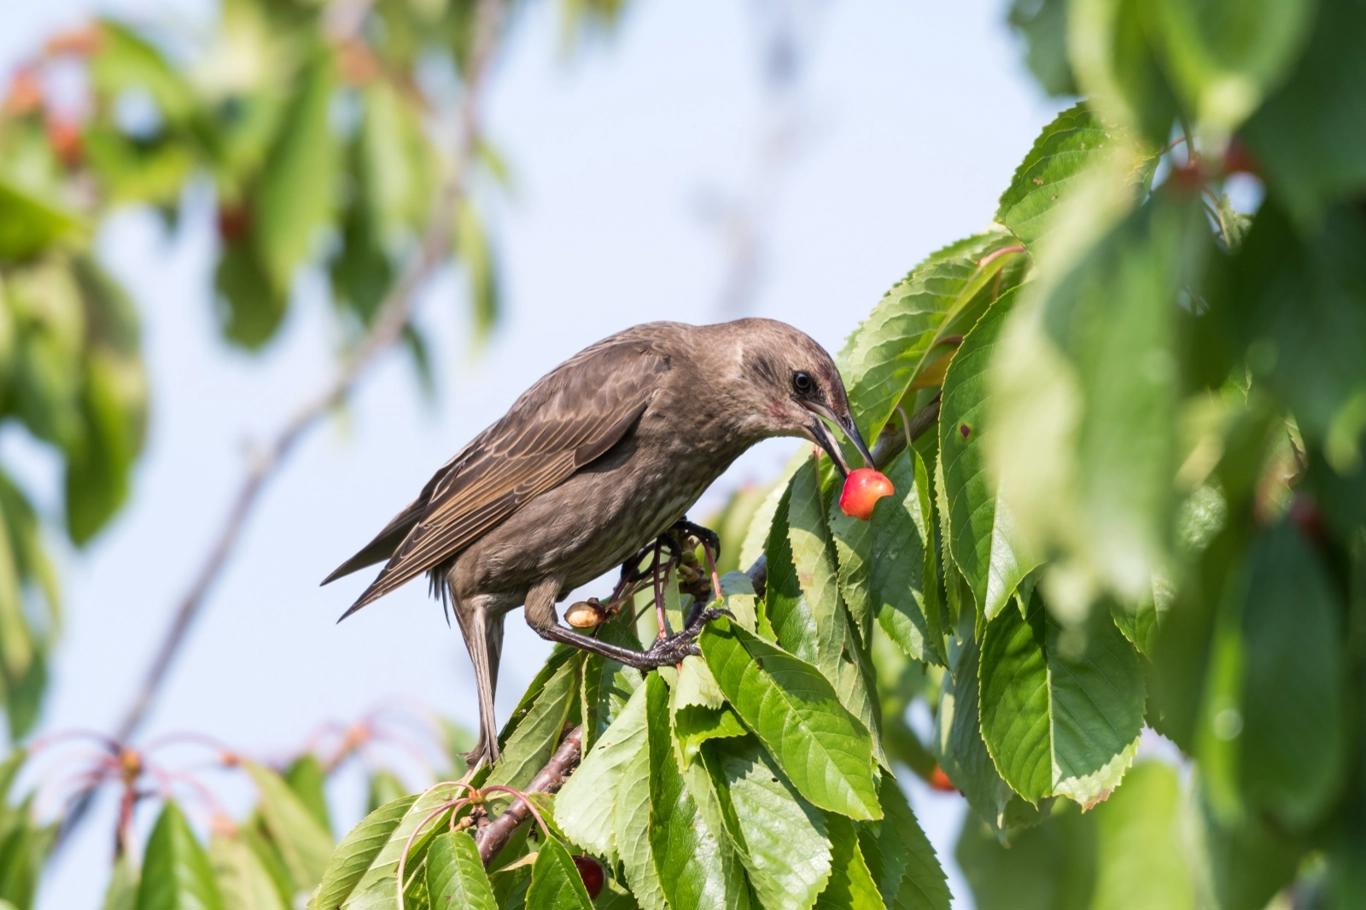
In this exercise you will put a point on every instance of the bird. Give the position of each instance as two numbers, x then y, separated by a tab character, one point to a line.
600	457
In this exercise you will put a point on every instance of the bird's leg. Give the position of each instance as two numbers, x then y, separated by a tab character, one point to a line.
540	615
484	638
660	570
710	542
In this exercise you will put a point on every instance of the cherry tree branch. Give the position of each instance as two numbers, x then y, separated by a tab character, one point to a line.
495	835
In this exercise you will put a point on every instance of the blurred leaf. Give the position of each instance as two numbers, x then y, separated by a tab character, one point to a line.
1142	860
384	787
1307	134
176	872
1111	46
1223	55
29	226
1248	862
249	308
1042	24
1061	708
113	407
692	855
475	251
126	61
900	857
982	535
1049	867
780	840
1271	736
942	296
555	880
358	852
308	780
244	881
851	885
1085	450
297	183
1295	303
820	747
122	891
455	875
304	844
395	163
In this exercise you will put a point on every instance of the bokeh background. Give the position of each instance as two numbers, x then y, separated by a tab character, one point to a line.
694	161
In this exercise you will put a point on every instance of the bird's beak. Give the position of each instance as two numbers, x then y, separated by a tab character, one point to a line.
821	433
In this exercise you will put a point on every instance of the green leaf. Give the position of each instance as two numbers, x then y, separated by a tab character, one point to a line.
982	535
1074	144
899	855
1224	55
781	840
394	163
898	584
295	194
376	887
358	852
535	727
126	61
632	816
1048	867
476	254
851	885
249	309
1311	161
692	856
243	879
122	891
1271	737
29	225
895	347
1142	861
1061	707
308	780
555	880
1307	355
1042	24
1110	44
1083	388
813	559
176	872
588	803
455	875
304	844
821	748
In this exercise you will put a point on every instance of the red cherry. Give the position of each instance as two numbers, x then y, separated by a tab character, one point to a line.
1307	516
862	489
1238	160
1188	178
64	138
940	781
590	870
233	222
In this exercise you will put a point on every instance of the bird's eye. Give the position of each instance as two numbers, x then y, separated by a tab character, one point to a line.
802	383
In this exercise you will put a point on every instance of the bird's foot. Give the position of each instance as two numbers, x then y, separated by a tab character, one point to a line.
671	649
708	538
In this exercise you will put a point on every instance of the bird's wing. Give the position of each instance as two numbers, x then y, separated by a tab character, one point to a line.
567	420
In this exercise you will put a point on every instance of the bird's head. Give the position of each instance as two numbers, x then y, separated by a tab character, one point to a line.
789	386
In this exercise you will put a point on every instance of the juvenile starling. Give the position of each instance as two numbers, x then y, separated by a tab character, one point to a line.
600	457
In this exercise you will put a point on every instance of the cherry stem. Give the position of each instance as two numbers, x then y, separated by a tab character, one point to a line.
526	801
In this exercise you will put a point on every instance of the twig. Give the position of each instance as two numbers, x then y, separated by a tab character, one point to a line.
394	314
495	835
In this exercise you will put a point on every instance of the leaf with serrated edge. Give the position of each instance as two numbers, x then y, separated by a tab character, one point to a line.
851	885
243	879
824	751
357	852
555	880
782	840
456	879
982	534
304	844
900	857
585	806
696	865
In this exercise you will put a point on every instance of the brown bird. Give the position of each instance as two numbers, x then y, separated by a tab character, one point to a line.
602	456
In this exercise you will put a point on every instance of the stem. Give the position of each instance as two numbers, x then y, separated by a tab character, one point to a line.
495	835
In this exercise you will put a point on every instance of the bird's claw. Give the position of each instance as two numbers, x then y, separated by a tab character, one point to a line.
708	538
670	650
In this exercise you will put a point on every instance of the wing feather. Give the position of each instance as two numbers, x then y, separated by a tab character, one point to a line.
568	420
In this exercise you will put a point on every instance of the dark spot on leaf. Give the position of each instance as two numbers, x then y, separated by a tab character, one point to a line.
759	662
964	430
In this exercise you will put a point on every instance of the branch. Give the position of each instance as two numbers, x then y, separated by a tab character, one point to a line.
395	312
493	836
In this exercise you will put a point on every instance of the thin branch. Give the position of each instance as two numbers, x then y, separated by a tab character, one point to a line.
395	312
495	835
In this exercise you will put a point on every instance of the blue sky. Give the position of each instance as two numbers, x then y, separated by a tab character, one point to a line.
912	116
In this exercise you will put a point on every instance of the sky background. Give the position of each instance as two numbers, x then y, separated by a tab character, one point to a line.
904	125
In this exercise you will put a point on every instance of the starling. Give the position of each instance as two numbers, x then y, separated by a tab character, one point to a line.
599	458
